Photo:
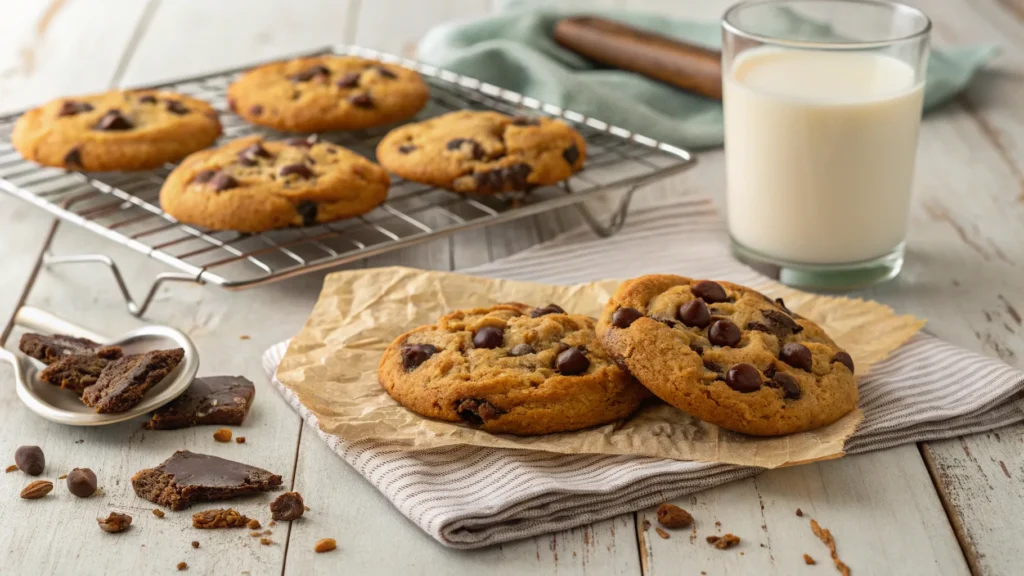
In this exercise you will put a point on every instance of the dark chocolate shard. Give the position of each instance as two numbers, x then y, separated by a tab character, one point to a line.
186	478
223	400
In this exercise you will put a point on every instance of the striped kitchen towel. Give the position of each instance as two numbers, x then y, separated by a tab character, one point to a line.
469	497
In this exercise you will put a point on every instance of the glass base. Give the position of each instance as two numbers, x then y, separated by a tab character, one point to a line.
824	277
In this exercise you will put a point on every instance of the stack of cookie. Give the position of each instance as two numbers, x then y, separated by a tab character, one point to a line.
721	352
252	185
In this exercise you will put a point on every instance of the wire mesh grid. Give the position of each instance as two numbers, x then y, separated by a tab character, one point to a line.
124	206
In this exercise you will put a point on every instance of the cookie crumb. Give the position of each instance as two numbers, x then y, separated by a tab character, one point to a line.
662	533
826	537
219	518
718	525
243	337
672	516
11	468
268	532
287	507
182	566
115	522
272	523
266	541
195	543
222	435
723	542
254	524
799	512
240	440
62	477
808	559
325	545
158	513
255	533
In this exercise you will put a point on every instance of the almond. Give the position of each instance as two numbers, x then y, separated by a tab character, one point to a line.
325	545
36	489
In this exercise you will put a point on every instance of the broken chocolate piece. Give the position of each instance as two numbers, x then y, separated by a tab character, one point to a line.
125	381
49	349
186	478
287	507
75	373
209	400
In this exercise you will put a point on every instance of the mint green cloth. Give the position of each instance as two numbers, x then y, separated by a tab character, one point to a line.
515	50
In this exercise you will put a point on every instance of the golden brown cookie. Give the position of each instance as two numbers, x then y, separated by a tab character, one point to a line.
251	185
511	370
117	130
728	355
322	93
483	152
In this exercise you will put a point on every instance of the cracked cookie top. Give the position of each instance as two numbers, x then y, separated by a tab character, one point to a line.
510	369
728	355
484	152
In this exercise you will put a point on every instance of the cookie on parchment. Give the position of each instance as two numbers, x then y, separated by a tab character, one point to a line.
252	185
480	152
117	130
728	355
509	369
322	93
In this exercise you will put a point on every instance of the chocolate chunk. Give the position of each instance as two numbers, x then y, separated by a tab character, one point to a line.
488	337
30	460
71	107
175	107
712	366
308	210
624	317
125	381
255	110
361	100
476	411
299	169
796	355
406	148
572	362
221	400
695	314
549	309
385	72
844	359
186	478
415	354
250	153
219	518
49	349
223	181
760	327
113	120
521	350
475	149
571	154
787	383
724	333
525	121
81	482
287	507
350	80
783	321
73	159
710	292
311	73
743	378
147	99
76	372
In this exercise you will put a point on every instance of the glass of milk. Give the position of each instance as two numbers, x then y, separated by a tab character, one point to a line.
822	103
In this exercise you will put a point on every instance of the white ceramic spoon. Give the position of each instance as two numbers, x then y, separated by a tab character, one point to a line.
64	407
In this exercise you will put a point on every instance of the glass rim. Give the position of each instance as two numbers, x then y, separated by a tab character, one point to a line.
896	7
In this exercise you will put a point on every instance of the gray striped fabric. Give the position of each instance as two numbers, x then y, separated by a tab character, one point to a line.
469	497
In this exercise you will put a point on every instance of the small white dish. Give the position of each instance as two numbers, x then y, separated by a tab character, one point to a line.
61	406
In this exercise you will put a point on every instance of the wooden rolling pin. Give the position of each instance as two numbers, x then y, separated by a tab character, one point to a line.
692	68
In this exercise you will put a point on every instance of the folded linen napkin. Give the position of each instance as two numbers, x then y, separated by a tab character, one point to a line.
470	497
514	50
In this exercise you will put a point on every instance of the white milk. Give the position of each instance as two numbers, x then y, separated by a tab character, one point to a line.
820	153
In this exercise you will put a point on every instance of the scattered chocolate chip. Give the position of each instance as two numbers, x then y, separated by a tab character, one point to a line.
844	359
549	309
572	362
299	169
73	159
311	73
743	378
361	100
255	110
308	210
525	121
724	333
81	482
203	176
113	120
287	507
787	383
182	566
115	522
415	354
695	314
521	350
799	512
71	107
624	317
406	148
30	460
476	411
195	543
488	337
223	181
386	73
710	292
350	80
147	99
474	147
175	107
796	355
571	154
672	516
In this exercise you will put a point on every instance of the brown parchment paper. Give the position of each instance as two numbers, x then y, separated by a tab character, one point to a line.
331	365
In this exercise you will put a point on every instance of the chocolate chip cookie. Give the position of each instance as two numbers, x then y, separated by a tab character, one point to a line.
728	355
117	130
509	369
484	152
322	93
252	185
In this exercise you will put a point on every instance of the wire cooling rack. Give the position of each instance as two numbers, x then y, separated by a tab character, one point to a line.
124	206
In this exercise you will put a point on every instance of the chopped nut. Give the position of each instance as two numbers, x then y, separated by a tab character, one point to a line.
266	541
662	533
272	523
672	516
62	477
243	337
218	518
808	559
222	435
325	545
158	513
826	537
115	522
195	543
723	542
799	512
36	489
11	468
254	524
240	440
182	566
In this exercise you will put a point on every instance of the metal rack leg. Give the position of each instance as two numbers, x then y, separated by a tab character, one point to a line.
618	218
134	307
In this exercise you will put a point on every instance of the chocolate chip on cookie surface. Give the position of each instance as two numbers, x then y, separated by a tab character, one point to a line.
728	355
504	371
322	93
479	152
116	130
252	185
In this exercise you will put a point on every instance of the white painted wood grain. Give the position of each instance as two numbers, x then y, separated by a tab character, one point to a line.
397	26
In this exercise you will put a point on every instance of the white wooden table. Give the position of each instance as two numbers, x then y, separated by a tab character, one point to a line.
951	507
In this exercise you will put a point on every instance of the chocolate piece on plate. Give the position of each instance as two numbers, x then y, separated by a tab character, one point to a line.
124	382
209	400
186	478
76	372
49	349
